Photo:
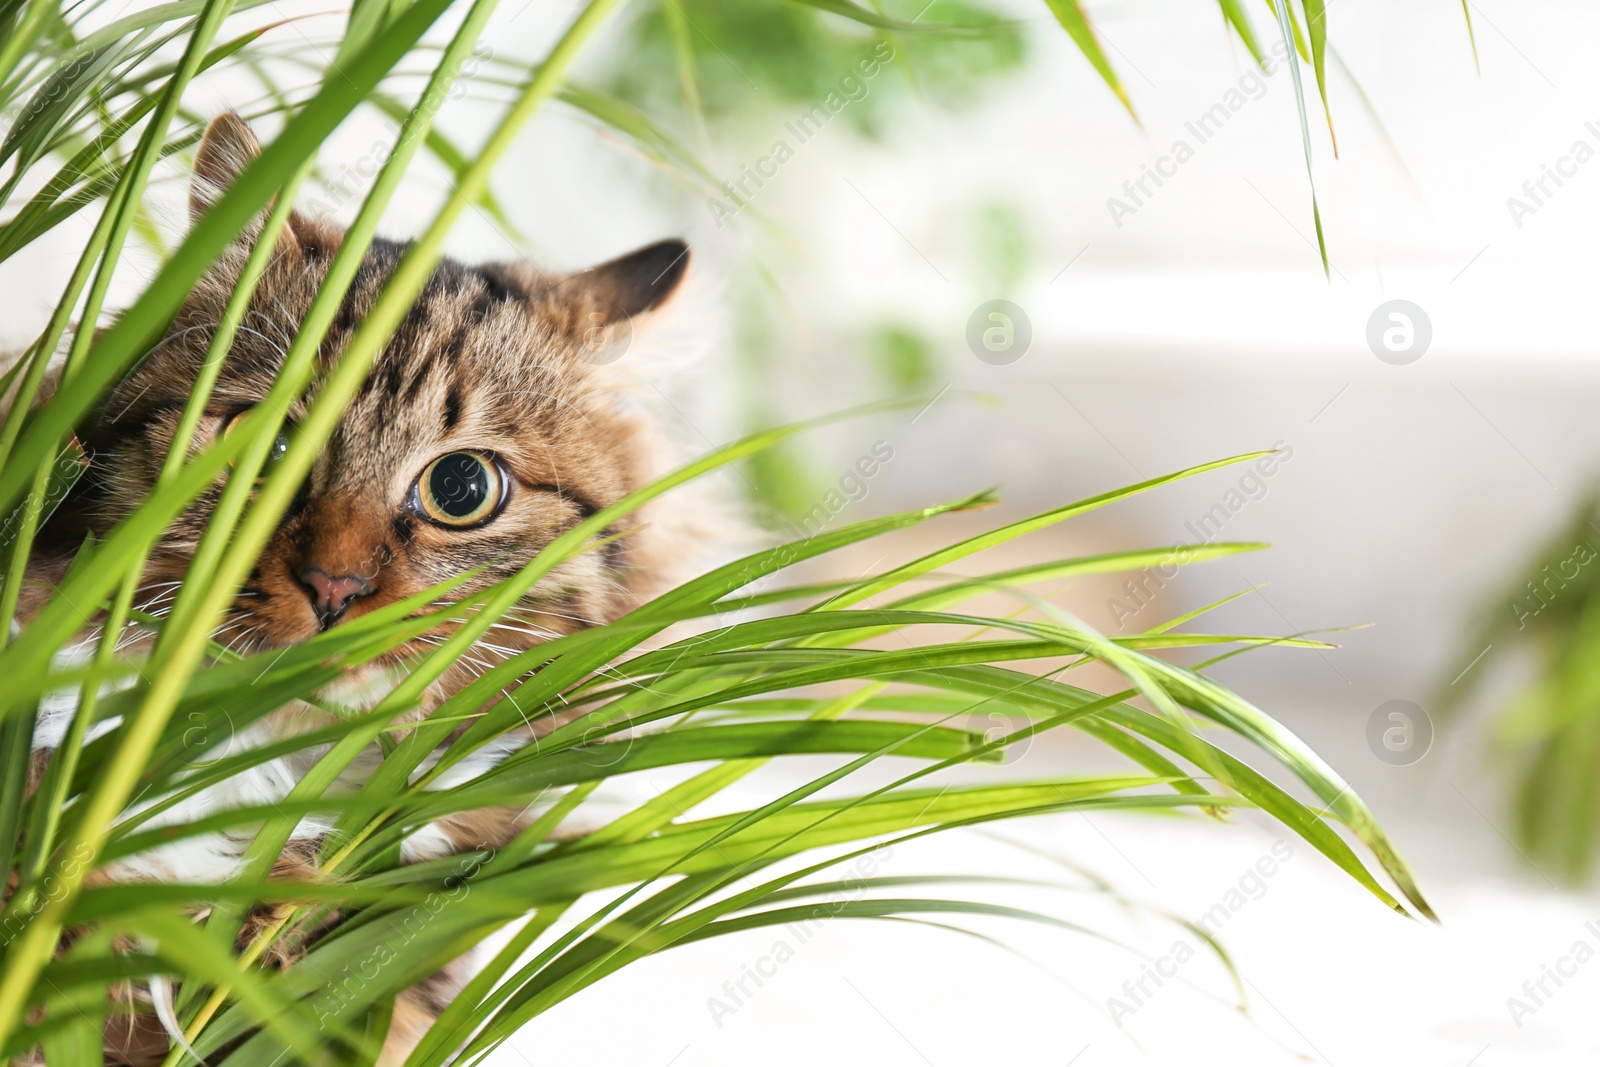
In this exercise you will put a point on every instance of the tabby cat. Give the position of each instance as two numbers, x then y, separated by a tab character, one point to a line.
497	417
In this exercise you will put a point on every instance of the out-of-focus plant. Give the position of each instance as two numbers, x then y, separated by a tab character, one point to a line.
1548	734
92	101
744	59
750	67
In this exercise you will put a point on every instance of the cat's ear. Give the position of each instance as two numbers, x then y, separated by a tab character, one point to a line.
608	305
633	284
227	148
225	151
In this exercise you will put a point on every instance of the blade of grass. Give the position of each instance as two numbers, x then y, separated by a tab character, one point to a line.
1286	28
1069	13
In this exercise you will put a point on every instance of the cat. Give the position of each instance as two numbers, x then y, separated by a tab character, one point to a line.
498	416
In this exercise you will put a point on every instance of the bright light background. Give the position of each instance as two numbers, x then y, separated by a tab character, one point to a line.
1197	327
1202	326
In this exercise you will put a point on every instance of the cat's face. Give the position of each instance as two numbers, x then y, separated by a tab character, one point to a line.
485	429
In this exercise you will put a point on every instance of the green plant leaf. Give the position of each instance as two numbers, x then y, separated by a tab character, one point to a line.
1069	13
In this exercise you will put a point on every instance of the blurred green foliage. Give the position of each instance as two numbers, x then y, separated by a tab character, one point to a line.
1548	734
1001	251
903	356
764	61
754	55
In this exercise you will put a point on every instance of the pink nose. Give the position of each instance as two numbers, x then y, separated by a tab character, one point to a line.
331	593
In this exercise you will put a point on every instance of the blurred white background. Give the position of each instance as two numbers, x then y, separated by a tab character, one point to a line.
1199	326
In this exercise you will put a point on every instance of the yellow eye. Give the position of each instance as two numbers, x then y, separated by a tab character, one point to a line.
280	444
461	489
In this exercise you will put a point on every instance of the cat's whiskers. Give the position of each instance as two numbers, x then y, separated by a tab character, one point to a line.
171	583
280	349
543	633
160	603
449	380
541	609
474	667
528	627
483	649
211	327
243	641
272	322
131	633
219	635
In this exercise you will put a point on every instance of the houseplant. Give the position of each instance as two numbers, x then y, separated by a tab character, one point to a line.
94	102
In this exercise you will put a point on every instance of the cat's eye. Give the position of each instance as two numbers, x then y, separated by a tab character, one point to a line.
280	444
461	489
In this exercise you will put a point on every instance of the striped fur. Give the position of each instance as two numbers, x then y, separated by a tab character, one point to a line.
503	359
